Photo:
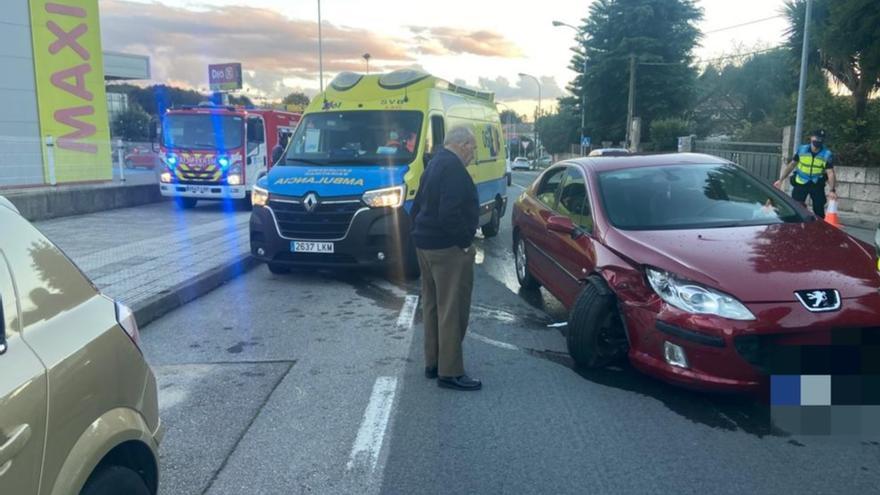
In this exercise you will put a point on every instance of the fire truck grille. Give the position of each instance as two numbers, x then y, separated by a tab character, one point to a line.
209	173
329	219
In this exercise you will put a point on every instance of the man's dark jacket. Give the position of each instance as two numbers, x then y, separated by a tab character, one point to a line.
446	211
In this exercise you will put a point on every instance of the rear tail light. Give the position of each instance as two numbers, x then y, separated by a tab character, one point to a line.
126	320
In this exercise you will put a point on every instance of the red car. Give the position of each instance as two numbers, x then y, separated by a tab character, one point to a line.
700	273
141	157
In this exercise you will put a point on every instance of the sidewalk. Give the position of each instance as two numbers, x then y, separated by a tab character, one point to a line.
155	258
858	221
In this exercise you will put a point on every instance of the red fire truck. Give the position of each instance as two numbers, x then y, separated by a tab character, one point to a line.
218	152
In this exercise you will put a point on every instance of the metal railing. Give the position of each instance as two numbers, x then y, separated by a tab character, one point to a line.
761	159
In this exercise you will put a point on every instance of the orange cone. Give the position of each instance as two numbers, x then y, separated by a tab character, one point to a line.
831	213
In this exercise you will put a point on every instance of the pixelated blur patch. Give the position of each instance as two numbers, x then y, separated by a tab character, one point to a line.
785	390
816	390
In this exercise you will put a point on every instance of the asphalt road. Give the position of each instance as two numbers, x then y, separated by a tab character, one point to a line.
313	383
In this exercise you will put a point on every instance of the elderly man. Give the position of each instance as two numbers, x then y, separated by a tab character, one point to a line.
445	217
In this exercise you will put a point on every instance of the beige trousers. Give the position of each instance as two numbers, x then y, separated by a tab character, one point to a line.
447	284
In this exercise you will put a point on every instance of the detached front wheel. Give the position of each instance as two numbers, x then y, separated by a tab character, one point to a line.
596	336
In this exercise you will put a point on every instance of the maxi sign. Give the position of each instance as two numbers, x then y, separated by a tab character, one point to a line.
224	77
69	70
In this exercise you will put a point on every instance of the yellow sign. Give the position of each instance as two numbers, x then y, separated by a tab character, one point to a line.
69	71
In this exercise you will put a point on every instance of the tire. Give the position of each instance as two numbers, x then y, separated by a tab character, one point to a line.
186	203
115	480
491	229
596	335
278	269
521	259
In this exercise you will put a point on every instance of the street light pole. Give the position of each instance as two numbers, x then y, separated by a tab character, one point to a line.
802	84
522	74
367	58
630	105
583	43
320	50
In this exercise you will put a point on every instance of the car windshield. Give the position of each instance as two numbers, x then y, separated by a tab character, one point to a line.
359	137
202	131
689	197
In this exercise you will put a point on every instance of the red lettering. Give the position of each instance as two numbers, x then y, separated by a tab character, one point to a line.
65	38
70	117
78	73
68	10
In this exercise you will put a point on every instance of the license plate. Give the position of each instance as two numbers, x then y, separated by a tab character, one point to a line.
311	247
199	189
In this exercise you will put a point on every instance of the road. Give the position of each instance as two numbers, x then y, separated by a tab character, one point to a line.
313	383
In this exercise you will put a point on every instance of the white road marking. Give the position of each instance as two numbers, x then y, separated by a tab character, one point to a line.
408	313
368	443
561	324
519	186
496	343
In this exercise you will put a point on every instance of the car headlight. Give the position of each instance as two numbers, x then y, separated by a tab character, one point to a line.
390	197
259	197
693	298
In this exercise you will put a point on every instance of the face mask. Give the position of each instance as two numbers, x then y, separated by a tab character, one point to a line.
816	144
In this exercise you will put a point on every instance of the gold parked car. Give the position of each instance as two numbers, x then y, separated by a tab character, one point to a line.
78	402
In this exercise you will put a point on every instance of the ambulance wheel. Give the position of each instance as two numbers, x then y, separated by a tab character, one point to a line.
278	269
491	229
596	335
186	203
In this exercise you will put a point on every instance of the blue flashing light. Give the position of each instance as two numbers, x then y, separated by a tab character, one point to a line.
171	159
223	161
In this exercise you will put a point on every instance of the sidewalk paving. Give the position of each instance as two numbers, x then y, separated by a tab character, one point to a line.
155	258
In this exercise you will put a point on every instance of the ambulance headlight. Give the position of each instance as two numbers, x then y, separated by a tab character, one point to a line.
259	196
391	197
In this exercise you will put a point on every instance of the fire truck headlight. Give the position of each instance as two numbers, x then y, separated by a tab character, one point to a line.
233	179
259	196
165	177
381	198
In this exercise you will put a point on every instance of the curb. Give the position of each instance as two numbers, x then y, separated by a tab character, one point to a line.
858	222
159	305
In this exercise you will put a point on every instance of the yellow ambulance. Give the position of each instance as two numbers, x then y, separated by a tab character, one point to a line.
340	194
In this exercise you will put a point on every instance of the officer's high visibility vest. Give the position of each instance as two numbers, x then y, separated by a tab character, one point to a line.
811	168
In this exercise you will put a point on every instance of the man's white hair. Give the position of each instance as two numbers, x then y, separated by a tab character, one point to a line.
458	135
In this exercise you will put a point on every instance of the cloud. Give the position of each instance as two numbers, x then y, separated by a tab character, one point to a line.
181	43
525	88
453	41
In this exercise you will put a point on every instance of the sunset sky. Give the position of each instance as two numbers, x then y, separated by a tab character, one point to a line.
482	43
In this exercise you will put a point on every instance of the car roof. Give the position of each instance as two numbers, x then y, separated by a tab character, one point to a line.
607	163
8	204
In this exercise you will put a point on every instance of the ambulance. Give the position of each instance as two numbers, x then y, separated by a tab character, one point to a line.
218	152
341	193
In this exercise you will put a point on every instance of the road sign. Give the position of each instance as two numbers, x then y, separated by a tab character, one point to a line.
224	77
586	141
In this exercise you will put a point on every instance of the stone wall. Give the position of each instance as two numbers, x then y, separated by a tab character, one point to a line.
859	189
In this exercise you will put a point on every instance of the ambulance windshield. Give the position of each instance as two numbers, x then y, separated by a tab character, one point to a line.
202	131
359	137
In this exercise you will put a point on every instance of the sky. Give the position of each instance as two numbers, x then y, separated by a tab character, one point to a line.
484	43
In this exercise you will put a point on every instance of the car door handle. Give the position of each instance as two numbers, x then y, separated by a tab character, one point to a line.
14	445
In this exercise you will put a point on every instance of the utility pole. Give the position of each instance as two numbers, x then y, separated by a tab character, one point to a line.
802	85
320	50
632	98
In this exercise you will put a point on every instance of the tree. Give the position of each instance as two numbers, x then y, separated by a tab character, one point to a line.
844	42
558	131
510	117
296	98
665	133
654	31
131	125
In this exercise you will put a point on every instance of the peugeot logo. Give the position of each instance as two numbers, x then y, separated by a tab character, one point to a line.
819	300
310	202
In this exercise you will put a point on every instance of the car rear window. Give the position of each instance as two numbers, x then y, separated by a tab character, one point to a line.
691	196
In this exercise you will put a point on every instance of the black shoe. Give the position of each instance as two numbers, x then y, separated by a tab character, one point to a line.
431	372
462	382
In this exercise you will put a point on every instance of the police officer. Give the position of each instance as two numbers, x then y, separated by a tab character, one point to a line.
812	165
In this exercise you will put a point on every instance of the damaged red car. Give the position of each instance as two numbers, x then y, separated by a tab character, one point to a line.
700	273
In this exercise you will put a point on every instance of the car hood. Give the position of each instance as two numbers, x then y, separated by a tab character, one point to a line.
758	263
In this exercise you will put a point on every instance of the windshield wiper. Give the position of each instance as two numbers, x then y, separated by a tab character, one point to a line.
304	160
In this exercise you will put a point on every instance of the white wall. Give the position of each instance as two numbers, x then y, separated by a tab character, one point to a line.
21	159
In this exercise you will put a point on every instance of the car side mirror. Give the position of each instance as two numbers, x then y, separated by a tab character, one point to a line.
558	223
277	152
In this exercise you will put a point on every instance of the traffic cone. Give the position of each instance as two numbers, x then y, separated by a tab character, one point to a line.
831	213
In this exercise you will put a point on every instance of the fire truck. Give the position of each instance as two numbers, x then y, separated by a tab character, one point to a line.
218	152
